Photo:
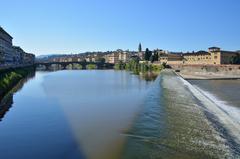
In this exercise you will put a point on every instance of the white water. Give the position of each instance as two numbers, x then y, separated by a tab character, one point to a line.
233	112
226	115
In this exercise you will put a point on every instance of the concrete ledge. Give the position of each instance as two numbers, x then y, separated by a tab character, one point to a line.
207	77
208	72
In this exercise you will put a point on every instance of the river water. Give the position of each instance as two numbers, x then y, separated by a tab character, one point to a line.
225	93
106	114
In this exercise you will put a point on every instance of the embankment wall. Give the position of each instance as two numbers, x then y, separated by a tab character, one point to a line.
231	70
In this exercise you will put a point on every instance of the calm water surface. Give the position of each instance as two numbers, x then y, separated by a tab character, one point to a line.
71	114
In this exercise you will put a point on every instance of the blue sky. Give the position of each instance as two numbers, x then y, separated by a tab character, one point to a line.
73	26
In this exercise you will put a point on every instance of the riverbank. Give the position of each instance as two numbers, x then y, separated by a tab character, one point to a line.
10	77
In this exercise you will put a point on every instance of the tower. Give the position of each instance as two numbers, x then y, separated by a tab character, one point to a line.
140	47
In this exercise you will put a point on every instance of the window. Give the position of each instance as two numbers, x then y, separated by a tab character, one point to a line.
215	57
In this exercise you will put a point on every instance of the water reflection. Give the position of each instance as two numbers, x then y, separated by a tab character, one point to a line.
6	101
71	114
149	76
99	106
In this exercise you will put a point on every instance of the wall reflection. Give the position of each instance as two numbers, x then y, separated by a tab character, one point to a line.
6	101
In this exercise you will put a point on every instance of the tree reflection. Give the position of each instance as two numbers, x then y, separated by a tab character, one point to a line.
6	101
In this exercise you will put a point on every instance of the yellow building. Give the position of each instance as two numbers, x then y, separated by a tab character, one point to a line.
113	58
214	56
123	56
200	57
170	58
222	57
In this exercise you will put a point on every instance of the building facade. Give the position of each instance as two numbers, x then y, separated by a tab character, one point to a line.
6	50
214	56
200	57
170	58
113	58
18	55
123	56
12	55
28	58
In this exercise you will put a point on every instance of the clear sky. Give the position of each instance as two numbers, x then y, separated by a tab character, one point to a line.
73	26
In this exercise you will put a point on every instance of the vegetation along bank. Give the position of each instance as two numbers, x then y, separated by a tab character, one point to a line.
10	77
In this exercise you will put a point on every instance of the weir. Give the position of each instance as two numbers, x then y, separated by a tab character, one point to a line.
215	110
177	121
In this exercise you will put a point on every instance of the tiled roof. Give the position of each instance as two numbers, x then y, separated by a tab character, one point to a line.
214	48
197	53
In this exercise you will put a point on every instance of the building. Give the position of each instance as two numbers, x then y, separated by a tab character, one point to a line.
76	59
12	55
113	58
141	55
170	58
123	56
18	55
6	50
222	57
21	57
214	56
28	58
200	57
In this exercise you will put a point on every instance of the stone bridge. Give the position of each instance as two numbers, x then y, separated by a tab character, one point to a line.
64	65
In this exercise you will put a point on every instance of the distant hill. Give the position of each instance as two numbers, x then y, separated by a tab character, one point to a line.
40	57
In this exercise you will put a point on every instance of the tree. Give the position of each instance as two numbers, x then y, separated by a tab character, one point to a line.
155	58
236	59
147	54
151	58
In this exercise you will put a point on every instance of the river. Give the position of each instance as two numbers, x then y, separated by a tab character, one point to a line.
225	93
71	114
107	114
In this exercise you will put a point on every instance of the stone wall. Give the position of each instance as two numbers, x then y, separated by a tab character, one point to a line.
233	70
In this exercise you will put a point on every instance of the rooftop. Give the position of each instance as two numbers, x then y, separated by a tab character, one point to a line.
197	53
2	30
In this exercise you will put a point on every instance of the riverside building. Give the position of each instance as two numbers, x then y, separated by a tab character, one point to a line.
6	50
12	55
214	56
170	58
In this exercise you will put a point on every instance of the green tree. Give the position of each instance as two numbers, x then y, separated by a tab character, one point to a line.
236	59
147	54
120	66
151	58
155	56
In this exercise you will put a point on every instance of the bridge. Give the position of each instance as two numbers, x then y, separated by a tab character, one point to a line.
84	64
